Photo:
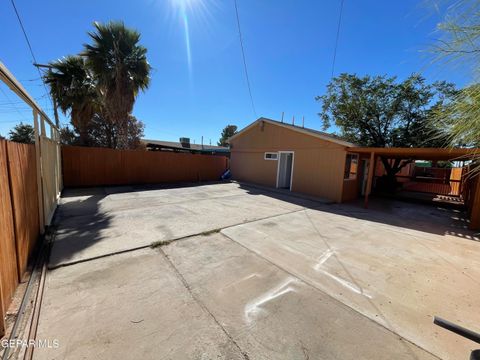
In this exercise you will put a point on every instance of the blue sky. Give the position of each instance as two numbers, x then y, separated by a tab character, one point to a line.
289	47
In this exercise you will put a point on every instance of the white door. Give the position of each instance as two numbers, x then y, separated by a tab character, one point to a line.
285	170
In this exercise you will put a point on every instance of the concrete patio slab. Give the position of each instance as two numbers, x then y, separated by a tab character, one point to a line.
130	306
90	226
396	276
279	276
272	314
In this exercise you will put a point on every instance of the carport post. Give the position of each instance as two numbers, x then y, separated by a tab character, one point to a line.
371	171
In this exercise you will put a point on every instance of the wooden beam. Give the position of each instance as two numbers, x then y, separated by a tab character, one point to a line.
371	171
420	153
39	172
14	85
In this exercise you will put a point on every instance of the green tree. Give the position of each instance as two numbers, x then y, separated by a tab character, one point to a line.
121	70
22	133
105	134
460	120
227	132
68	136
102	133
460	45
73	88
380	111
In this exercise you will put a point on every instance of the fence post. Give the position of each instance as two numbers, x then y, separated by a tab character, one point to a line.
39	172
2	315
475	204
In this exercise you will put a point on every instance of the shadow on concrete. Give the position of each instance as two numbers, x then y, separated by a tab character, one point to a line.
430	218
81	223
78	223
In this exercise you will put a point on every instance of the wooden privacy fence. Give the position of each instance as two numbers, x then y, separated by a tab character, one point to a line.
30	186
100	166
19	214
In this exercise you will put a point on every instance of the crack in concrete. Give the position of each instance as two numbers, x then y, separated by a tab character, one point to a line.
166	241
201	304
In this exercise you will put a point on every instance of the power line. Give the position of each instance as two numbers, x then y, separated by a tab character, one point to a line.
30	47
243	57
337	37
13	105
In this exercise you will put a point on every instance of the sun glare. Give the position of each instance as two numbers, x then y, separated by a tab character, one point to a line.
186	10
184	7
184	3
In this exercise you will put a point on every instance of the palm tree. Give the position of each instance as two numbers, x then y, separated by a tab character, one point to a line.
73	88
461	45
121	70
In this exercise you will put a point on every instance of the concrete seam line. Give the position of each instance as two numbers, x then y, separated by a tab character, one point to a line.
308	283
160	243
200	303
97	257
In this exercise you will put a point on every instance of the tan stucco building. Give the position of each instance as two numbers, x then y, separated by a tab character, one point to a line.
280	155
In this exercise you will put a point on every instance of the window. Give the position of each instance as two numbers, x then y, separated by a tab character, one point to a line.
351	164
271	156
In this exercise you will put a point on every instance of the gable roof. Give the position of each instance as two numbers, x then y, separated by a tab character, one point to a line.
303	130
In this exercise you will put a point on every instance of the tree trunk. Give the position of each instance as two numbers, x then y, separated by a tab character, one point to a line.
122	134
390	183
83	136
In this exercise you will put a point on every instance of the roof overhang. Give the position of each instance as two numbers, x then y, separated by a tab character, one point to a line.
445	154
289	127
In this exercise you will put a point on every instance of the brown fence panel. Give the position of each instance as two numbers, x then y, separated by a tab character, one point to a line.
84	166
24	191
8	258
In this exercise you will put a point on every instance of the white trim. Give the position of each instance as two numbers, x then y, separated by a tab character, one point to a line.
272	153
325	137
293	163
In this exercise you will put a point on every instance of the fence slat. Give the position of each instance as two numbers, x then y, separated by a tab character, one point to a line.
50	177
84	166
8	258
23	182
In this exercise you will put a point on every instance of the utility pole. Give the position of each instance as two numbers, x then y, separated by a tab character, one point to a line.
283	112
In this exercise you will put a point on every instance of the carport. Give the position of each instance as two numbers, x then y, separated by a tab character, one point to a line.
469	185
